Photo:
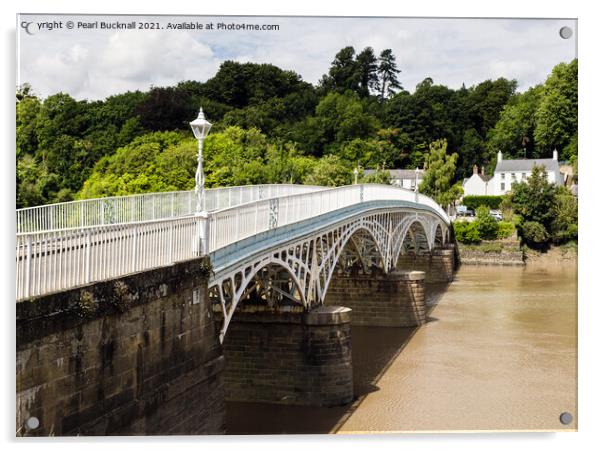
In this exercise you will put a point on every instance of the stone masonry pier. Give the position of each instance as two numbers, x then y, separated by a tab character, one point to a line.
294	357
438	265
137	355
378	299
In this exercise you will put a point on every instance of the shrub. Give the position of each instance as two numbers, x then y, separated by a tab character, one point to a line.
466	232
534	234
505	229
564	225
474	202
486	224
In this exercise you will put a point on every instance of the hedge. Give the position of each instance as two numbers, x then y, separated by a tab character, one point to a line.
466	232
473	232
473	202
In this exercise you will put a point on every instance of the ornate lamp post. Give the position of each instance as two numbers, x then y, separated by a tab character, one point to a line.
416	180
200	127
416	186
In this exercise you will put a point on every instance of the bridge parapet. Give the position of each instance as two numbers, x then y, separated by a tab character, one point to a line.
144	207
56	260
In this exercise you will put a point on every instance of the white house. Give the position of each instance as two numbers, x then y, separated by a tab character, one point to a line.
404	178
508	172
478	184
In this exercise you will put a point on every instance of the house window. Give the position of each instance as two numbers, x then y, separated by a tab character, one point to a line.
523	176
503	186
513	175
503	175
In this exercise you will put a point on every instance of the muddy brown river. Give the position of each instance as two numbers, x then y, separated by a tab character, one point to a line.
498	353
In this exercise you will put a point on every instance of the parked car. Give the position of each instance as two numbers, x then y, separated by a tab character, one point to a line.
463	210
496	214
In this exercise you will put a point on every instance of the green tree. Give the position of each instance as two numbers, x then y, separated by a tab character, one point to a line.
379	176
140	167
340	118
34	184
368	77
343	74
431	113
486	224
439	176
26	134
485	101
369	153
556	115
330	170
533	200
471	152
236	157
24	92
564	226
466	232
534	234
387	74
167	109
237	85
514	132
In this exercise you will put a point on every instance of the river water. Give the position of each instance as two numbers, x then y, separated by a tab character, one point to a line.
499	352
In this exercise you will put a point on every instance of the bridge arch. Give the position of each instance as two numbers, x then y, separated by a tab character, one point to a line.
439	238
306	264
411	235
232	290
346	240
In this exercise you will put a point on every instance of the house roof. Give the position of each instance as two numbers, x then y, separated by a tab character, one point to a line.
399	173
485	178
526	165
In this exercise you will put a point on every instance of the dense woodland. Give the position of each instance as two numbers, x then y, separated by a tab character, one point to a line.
270	126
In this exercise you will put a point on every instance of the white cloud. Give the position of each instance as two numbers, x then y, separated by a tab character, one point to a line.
96	63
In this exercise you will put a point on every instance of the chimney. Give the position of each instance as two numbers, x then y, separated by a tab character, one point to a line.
499	156
483	170
475	170
555	154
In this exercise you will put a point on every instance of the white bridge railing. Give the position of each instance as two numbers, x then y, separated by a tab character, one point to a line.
56	260
234	224
143	207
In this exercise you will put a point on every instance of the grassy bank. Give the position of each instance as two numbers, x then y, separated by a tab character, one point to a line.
510	252
495	252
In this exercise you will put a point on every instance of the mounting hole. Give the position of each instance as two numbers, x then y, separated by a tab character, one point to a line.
32	423
566	418
566	32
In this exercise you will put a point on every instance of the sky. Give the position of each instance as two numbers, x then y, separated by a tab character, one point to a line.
93	63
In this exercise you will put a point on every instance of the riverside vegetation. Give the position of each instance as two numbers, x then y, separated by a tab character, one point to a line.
270	126
540	213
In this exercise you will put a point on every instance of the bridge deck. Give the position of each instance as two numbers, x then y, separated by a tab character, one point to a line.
246	249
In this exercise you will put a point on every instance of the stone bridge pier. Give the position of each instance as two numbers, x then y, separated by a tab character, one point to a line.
289	356
395	299
438	264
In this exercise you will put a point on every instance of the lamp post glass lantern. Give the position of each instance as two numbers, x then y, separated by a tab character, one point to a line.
200	127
